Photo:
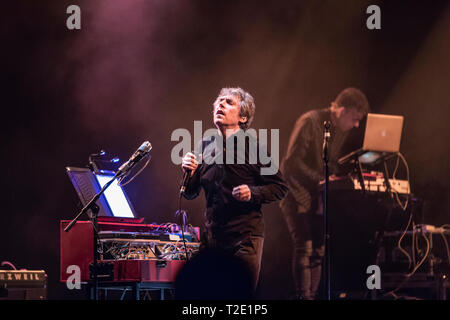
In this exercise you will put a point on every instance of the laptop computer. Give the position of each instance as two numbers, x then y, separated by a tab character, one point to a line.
382	137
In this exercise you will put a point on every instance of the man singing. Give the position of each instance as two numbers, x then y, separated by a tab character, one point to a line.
234	188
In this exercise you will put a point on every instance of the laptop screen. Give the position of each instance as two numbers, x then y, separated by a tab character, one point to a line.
115	197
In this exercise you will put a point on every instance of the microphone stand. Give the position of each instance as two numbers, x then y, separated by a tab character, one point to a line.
94	210
181	214
326	271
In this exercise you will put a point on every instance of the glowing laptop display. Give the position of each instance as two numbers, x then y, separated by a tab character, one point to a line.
115	197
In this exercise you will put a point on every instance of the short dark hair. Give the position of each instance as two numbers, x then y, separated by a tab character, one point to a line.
353	98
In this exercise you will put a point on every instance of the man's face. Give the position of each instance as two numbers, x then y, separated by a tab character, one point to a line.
348	118
226	112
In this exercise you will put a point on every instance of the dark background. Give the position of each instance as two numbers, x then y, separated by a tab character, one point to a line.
137	70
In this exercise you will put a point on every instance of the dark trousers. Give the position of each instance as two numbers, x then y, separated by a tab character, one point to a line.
306	230
248	249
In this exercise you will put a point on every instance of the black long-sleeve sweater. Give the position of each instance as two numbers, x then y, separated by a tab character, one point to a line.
226	216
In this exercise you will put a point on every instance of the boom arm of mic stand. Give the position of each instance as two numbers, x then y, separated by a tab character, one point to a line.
90	204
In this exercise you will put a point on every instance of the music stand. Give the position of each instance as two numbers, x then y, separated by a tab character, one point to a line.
114	203
90	189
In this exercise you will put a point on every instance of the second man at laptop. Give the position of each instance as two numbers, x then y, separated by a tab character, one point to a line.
302	168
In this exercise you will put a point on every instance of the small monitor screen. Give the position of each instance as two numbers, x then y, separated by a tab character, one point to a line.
369	157
116	198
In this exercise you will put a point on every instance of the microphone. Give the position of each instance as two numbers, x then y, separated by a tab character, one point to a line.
184	183
140	153
187	176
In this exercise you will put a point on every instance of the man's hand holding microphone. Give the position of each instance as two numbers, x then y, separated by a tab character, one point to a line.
189	163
